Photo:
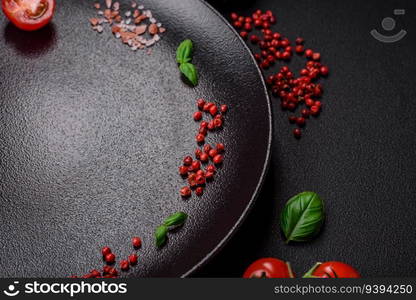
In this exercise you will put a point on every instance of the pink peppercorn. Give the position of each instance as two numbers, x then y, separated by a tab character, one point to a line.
183	170
204	157
110	258
187	161
133	259
217	159
105	251
200	138
197	116
199	191
220	147
136	241
196	165
124	265
224	108
185	192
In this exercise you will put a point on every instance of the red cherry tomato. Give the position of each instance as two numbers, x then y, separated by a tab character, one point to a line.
334	269
29	15
269	268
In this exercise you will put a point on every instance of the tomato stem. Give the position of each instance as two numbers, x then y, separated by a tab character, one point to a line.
311	270
289	268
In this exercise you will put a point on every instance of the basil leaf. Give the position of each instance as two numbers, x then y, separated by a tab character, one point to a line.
184	51
302	217
175	219
190	72
160	235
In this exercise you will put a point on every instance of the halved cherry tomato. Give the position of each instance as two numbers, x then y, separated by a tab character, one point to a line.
332	269
269	268
29	15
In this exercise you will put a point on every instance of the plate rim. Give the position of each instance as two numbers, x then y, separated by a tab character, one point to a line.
261	180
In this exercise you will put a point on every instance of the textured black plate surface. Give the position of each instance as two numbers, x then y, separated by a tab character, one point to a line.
92	134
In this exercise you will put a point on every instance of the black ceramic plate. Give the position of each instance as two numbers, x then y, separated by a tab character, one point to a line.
92	135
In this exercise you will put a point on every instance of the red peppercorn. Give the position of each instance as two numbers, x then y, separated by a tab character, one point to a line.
244	34
113	272
196	165
300	121
305	113
207	147
133	259
95	273
211	168
308	53
220	147
110	258
233	16
314	110
299	41
217	123
203	124
204	157
211	125
213	110
247	27
238	24
198	153
185	192
266	25
200	103
254	39
199	191
136	241
107	269
105	251
309	102
299	49
200	138
257	23
273	19
197	116
200	172
217	159
212	153
200	179
124	265
187	161
209	175
297	133
324	71
285	55
316	56
224	108
292	119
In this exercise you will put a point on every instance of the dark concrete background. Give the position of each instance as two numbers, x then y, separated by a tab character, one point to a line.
359	155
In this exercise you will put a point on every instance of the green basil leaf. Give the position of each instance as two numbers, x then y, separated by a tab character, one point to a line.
302	217
160	235
176	219
190	72
184	52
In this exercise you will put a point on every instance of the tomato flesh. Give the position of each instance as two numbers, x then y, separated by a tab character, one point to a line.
29	15
335	269
268	268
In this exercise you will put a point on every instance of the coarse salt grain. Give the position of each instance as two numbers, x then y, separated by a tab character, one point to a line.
130	34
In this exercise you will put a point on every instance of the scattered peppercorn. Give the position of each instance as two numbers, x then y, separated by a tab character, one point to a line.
136	241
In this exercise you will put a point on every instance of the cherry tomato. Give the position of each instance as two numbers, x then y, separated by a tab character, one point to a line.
29	15
333	269
269	268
